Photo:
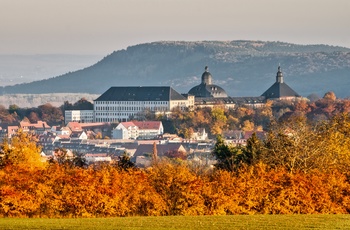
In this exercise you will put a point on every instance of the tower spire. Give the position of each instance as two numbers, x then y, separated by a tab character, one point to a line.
279	76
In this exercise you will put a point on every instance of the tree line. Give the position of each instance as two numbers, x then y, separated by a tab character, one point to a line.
51	114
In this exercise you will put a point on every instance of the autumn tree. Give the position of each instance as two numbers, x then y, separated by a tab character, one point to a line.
298	145
248	125
175	154
50	114
219	120
98	135
13	109
22	151
33	117
5	116
330	96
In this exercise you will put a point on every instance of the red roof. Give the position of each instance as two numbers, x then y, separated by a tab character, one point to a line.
39	124
143	124
148	124
74	126
93	124
128	124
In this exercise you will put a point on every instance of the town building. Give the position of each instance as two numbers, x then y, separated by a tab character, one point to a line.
120	104
83	116
38	128
144	130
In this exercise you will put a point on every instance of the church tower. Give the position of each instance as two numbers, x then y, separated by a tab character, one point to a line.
280	90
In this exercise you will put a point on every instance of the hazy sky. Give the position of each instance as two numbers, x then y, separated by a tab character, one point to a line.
102	26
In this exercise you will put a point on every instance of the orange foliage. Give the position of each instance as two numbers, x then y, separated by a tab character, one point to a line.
168	189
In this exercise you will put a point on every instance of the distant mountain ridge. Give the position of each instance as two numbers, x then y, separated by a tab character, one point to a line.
242	68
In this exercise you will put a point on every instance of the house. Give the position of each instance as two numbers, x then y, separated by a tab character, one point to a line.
200	135
144	152
60	154
143	130
97	157
79	135
235	137
239	137
125	130
38	128
10	131
58	130
74	126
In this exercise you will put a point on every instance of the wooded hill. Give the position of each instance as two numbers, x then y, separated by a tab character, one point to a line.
242	68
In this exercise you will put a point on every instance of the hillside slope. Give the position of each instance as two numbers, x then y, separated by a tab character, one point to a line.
242	68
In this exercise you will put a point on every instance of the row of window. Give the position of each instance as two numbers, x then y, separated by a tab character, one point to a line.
130	102
114	114
113	119
122	108
80	118
178	103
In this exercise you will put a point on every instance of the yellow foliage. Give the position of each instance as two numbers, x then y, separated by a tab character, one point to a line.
21	150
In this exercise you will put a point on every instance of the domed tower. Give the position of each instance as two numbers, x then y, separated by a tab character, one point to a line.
207	88
206	77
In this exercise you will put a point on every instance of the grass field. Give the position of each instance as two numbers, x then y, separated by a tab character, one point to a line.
186	222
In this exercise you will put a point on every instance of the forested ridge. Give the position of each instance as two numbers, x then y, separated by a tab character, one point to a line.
245	68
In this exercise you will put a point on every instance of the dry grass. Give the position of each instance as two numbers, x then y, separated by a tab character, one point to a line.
186	222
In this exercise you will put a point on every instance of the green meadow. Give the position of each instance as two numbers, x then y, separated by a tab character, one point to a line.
185	222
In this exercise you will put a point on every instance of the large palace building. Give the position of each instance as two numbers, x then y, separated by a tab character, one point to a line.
126	103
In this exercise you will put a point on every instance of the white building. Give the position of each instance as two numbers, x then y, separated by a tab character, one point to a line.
93	158
83	116
200	135
138	130
126	103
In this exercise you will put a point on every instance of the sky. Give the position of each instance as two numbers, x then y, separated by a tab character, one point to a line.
103	26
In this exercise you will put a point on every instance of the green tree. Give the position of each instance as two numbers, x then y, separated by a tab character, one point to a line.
83	104
253	150
124	162
228	157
